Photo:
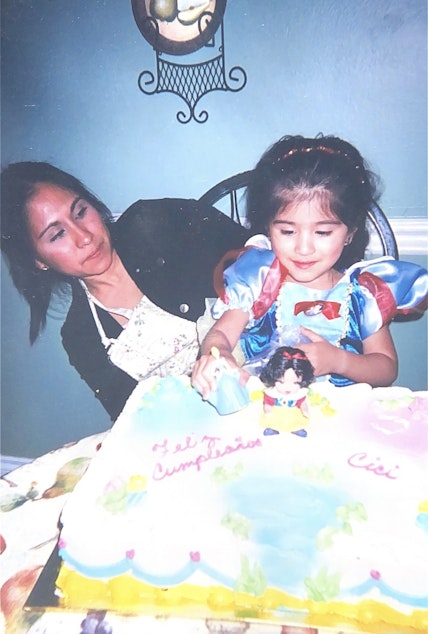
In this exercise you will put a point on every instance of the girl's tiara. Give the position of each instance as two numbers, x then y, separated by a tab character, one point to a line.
319	148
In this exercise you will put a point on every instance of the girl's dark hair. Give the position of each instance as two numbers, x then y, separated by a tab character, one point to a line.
18	184
283	359
298	168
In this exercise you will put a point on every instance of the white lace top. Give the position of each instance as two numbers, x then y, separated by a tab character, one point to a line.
153	342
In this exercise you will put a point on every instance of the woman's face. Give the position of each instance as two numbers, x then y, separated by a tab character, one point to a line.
68	234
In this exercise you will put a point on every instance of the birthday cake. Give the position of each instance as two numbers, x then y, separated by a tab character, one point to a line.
186	512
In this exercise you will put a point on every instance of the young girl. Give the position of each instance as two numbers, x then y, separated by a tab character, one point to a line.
311	197
286	376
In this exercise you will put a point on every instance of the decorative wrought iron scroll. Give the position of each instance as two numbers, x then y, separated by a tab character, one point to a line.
192	81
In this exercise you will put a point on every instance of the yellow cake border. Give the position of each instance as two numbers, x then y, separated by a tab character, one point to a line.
127	595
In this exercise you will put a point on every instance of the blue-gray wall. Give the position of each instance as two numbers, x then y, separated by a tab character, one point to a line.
354	68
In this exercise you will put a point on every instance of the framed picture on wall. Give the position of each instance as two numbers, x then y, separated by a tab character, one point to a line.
178	27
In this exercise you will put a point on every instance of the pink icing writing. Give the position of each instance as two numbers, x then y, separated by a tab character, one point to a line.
363	461
189	443
211	449
195	556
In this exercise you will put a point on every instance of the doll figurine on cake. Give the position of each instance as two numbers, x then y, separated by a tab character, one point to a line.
229	395
286	377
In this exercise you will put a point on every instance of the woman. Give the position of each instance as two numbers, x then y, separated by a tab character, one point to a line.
138	284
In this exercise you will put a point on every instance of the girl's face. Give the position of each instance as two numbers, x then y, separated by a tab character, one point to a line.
68	234
308	239
289	383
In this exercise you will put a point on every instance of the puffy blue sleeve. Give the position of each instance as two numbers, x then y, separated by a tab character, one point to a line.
243	281
387	288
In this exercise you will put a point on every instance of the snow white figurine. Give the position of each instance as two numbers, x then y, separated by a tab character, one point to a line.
286	376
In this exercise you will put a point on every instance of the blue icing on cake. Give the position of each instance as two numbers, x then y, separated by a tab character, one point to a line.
286	536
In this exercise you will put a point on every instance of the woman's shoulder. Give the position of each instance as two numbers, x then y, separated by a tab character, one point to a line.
152	217
191	216
144	216
79	317
178	229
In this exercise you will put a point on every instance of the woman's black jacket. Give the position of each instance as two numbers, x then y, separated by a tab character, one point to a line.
170	248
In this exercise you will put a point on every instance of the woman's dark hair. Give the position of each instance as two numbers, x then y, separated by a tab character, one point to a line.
297	168
283	359
19	182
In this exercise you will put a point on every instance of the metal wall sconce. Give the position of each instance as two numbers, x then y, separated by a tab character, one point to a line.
182	27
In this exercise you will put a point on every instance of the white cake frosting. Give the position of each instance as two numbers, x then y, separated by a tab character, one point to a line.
203	513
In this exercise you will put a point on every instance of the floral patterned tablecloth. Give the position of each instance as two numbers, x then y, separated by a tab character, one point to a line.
31	500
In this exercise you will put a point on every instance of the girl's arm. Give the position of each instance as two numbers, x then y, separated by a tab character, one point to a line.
378	365
224	336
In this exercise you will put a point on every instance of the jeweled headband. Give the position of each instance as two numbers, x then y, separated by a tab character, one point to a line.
319	148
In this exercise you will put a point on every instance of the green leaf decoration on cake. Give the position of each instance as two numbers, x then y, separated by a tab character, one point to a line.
251	579
119	495
346	515
223	475
326	537
67	477
114	498
349	513
323	587
238	524
314	473
397	403
316	400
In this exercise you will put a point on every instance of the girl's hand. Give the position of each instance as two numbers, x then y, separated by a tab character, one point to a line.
222	338
207	368
204	376
323	355
377	365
